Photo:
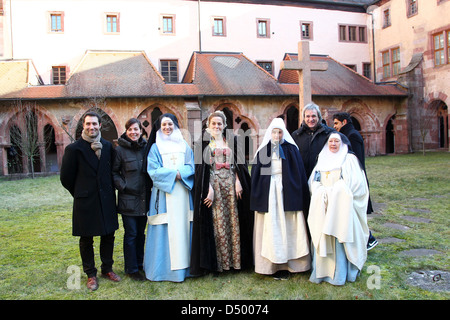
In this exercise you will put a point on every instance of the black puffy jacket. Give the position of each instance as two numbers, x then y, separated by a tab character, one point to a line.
129	177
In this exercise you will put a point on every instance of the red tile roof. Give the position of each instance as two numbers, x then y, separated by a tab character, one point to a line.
339	80
131	74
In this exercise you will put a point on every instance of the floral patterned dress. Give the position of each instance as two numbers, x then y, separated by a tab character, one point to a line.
224	208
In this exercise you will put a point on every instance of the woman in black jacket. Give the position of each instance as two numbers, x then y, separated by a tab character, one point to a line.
132	183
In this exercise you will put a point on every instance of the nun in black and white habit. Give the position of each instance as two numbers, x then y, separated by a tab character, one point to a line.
279	195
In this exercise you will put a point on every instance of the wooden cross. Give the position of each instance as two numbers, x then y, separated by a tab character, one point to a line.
304	66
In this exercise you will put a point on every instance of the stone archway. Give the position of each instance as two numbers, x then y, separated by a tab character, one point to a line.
442	124
390	136
48	134
108	129
151	114
366	122
291	117
242	126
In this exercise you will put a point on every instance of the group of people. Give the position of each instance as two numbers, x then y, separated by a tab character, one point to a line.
303	207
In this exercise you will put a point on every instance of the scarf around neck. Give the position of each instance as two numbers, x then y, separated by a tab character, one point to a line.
96	145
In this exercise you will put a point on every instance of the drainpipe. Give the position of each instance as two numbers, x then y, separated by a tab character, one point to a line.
370	10
10	29
199	28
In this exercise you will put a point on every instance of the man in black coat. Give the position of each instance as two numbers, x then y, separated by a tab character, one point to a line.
311	136
343	123
86	172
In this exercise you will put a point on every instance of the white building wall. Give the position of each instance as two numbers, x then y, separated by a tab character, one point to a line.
84	25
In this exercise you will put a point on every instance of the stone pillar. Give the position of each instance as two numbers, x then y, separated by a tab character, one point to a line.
194	120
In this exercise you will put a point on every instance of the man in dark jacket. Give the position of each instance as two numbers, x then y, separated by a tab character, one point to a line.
310	139
86	174
343	123
311	136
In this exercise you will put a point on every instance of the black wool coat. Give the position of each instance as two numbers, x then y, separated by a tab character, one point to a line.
357	144
356	141
130	178
295	184
310	143
203	252
89	180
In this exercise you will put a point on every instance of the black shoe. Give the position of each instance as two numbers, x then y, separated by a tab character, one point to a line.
137	276
281	275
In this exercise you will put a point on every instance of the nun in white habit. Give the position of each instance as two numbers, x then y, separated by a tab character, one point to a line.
170	165
337	215
279	195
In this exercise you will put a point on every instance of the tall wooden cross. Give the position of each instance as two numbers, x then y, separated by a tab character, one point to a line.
304	66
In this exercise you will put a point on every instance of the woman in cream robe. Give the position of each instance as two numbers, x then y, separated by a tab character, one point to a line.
337	216
170	165
279	195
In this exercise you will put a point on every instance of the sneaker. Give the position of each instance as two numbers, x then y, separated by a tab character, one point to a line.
372	243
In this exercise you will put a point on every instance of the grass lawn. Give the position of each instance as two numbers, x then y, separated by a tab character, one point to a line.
39	257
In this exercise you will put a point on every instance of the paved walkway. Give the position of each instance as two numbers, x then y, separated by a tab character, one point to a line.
431	280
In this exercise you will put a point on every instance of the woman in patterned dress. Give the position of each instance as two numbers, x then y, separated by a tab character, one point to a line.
223	222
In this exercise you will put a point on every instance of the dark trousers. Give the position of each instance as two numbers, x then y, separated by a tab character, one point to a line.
106	254
134	242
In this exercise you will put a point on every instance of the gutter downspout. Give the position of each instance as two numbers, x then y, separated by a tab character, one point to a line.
370	12
199	28
11	29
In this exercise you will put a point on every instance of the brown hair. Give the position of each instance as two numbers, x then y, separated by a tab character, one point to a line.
132	121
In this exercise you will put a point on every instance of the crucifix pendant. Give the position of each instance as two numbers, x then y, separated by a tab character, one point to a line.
327	173
174	159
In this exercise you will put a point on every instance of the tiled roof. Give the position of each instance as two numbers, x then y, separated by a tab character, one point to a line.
115	74
13	76
347	5
229	74
339	80
131	74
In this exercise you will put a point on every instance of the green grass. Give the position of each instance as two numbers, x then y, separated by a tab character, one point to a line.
37	247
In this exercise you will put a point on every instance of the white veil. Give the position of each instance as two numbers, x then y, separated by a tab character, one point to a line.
276	123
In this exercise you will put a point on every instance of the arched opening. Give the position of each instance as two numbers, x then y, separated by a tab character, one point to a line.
292	119
248	143
229	115
14	153
390	136
148	117
51	155
108	129
443	126
356	123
